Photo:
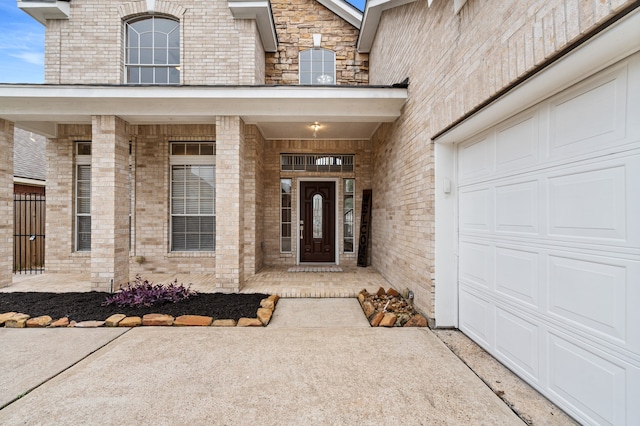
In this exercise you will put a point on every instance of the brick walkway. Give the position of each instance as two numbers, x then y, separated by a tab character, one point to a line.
270	280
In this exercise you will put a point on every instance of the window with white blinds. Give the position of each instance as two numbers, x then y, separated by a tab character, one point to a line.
83	196
193	178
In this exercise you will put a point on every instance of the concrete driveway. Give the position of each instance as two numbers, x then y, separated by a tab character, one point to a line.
282	374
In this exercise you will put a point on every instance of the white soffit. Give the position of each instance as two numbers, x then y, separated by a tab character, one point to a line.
371	19
610	46
260	11
43	10
344	10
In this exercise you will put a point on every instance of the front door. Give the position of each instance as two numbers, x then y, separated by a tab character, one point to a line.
318	222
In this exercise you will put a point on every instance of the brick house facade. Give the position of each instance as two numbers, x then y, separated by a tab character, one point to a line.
471	66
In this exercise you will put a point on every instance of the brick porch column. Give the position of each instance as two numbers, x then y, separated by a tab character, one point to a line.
6	203
229	203
109	203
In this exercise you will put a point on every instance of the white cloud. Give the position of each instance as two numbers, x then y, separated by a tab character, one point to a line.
35	58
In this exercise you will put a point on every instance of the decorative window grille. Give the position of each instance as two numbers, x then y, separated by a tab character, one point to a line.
317	66
83	196
316	163
193	181
285	216
152	51
349	214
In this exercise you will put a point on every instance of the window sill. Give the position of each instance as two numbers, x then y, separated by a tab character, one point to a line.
191	254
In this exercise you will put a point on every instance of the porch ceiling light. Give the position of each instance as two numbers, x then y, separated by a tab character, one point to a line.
315	127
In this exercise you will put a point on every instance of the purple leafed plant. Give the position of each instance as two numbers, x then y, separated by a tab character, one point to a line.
145	293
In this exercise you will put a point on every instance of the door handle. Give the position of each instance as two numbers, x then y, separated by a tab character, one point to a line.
301	229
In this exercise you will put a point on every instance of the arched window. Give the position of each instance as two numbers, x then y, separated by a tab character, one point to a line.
152	51
317	66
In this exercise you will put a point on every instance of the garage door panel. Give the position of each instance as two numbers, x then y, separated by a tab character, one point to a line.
517	142
475	158
517	274
476	209
590	380
592	292
476	317
518	341
517	208
590	116
476	261
589	203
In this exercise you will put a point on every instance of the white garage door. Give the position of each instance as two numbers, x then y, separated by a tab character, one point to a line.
549	245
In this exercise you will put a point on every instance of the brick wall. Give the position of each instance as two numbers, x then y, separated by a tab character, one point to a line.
296	22
109	214
60	225
216	48
151	197
454	62
253	200
6	203
272	176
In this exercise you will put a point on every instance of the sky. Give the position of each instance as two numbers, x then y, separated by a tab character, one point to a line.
22	44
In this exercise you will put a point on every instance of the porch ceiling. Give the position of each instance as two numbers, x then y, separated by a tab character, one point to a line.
281	112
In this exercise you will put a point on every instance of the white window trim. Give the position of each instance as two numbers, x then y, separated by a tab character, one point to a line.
80	160
190	160
333	75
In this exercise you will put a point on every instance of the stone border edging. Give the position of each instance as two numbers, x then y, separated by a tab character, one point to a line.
263	316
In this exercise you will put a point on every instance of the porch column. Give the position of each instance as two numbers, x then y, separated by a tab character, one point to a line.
6	203
109	203
229	203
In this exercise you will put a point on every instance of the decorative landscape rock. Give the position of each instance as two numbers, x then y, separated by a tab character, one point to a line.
62	322
157	320
249	322
114	320
42	321
224	323
389	309
264	315
193	321
4	317
89	324
130	322
17	321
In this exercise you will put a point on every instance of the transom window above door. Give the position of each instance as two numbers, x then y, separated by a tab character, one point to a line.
152	51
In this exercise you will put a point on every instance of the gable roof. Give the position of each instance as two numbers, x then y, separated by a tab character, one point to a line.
29	158
346	11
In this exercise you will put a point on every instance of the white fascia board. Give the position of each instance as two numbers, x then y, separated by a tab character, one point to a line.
344	10
371	20
261	12
76	104
43	10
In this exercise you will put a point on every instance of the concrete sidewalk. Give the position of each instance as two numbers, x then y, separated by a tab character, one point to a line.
289	373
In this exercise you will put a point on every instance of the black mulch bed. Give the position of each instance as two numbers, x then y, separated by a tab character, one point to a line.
88	306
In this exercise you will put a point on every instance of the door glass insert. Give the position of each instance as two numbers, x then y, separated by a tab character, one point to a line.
317	216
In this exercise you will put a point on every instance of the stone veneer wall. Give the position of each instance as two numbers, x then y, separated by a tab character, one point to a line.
296	22
6	203
272	173
454	63
216	48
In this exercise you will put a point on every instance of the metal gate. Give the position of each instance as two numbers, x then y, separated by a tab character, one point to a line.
28	233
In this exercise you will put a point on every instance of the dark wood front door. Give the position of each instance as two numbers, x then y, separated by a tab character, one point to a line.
318	221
